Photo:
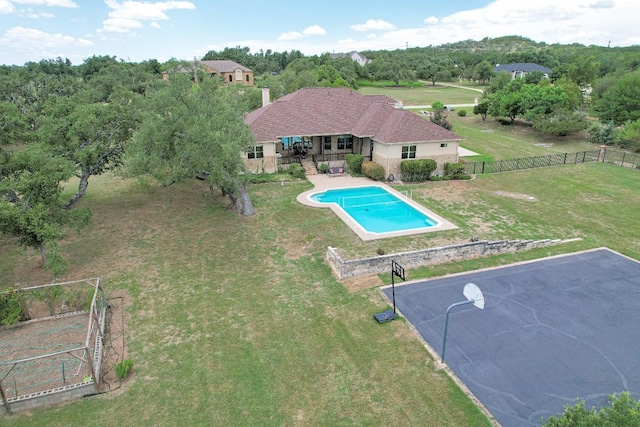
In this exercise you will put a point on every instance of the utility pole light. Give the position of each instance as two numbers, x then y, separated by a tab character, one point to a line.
474	296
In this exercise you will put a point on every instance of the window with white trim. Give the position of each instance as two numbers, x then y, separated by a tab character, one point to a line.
256	153
408	151
444	145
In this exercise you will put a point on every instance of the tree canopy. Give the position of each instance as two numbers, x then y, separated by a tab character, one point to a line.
623	411
194	130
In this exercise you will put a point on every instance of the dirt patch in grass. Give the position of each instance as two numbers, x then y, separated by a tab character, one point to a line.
450	191
519	196
364	282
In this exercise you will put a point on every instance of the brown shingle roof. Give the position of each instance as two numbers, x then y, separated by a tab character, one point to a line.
335	111
224	65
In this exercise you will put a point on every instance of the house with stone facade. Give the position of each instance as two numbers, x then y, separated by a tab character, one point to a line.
228	71
322	125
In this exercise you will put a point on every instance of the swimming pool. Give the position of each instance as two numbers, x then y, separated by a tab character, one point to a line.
376	210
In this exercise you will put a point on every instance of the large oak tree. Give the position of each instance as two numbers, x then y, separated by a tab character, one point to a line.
194	130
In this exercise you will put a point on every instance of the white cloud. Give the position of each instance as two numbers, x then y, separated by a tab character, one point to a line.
291	35
128	15
602	4
432	20
50	3
6	6
29	13
570	21
154	24
373	25
31	38
120	25
314	30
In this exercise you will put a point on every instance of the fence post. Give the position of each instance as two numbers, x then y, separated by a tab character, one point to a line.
564	162
483	167
3	395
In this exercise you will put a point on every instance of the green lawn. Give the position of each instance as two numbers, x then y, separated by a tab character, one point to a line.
425	95
239	321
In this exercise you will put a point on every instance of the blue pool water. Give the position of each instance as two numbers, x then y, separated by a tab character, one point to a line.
375	209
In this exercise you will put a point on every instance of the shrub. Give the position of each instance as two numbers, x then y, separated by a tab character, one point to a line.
622	412
455	171
296	170
323	168
10	306
122	368
417	170
373	171
462	113
603	135
354	162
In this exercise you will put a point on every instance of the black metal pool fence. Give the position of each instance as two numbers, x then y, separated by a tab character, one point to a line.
606	155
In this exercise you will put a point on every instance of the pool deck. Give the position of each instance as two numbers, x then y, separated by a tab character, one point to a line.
324	182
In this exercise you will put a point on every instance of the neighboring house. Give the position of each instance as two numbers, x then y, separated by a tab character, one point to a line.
355	56
325	124
229	71
521	69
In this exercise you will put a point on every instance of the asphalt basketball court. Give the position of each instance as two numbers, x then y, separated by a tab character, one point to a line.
551	331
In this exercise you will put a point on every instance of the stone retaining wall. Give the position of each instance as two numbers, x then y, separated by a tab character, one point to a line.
345	269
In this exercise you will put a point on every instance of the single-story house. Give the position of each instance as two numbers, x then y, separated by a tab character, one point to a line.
521	69
229	71
324	124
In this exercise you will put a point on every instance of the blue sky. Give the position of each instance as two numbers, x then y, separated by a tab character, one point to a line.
31	30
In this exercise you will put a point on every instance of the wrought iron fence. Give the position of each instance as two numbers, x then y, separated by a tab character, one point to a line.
621	158
606	155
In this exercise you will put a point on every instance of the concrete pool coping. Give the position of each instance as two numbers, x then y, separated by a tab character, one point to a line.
324	182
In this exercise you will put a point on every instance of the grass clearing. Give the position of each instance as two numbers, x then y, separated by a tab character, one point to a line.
425	94
238	321
242	319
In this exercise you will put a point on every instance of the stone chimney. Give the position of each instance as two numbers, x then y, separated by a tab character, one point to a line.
266	99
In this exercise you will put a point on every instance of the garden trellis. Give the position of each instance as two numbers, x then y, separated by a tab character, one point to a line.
55	352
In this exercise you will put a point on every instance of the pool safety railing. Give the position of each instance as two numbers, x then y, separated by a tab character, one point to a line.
368	200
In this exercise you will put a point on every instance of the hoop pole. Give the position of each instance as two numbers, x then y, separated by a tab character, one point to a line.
446	326
393	289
